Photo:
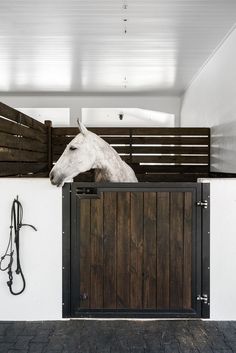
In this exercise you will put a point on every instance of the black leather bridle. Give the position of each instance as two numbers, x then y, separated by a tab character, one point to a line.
16	225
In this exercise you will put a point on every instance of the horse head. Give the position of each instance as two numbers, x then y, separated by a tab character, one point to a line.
78	157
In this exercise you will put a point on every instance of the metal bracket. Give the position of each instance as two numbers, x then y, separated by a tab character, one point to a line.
203	298
203	204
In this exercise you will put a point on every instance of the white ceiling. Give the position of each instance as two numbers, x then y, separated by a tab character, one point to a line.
80	45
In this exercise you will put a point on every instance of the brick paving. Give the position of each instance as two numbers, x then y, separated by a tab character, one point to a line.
86	336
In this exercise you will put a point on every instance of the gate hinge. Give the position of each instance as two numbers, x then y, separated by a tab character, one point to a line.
203	298
203	204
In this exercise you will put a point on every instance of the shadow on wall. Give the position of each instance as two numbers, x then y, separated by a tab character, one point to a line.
223	148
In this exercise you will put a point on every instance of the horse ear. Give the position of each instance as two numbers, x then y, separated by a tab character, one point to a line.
82	128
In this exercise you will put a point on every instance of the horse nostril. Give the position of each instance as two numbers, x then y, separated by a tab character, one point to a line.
51	176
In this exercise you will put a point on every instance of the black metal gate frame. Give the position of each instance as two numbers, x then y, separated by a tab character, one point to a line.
200	258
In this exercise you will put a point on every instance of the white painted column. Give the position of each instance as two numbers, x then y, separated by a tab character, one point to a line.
222	249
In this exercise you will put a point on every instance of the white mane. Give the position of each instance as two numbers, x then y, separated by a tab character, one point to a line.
88	151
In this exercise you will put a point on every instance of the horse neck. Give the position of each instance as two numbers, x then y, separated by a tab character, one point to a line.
107	160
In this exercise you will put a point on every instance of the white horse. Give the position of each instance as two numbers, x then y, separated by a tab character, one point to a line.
88	151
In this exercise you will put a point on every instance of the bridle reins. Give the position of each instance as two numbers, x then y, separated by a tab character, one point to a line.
15	227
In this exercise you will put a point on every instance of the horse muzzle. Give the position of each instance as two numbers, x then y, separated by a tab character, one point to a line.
55	180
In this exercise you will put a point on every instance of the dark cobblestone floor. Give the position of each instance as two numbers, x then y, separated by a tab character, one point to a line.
118	336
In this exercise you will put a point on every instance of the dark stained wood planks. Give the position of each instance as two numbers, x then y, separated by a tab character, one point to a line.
84	254
123	250
13	128
109	249
176	249
23	144
169	159
162	150
183	131
184	169
21	168
13	141
13	114
96	234
138	140
58	149
149	253
15	155
136	250
163	250
161	147
171	177
157	140
125	131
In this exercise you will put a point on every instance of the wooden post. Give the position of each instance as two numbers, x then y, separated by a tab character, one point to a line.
130	146
209	153
48	124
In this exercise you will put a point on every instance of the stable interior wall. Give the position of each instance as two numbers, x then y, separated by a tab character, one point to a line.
41	251
222	249
126	117
167	104
211	101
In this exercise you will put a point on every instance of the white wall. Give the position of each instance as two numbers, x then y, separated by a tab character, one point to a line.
211	101
58	116
41	251
170	104
109	117
222	249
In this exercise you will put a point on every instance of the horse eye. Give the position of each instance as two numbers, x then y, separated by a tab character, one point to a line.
72	148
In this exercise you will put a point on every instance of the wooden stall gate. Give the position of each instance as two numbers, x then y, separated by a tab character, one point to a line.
136	250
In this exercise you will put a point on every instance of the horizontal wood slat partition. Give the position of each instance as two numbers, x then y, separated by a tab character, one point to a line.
13	114
29	148
11	141
58	149
23	144
143	131
176	140
22	168
155	154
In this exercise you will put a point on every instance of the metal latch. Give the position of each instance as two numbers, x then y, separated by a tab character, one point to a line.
203	204
203	298
87	193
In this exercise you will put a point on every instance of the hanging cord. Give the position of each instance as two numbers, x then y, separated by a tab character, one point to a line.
16	225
